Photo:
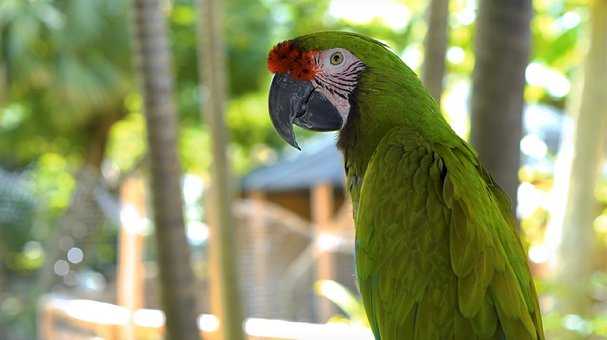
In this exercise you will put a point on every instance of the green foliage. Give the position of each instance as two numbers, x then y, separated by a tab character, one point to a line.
249	37
69	64
294	18
53	182
193	144
17	205
249	124
127	139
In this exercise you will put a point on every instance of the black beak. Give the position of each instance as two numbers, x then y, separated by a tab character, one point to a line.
296	102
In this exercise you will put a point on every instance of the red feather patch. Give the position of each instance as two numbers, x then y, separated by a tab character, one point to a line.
286	58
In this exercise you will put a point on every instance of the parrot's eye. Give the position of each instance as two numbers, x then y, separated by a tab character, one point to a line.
337	58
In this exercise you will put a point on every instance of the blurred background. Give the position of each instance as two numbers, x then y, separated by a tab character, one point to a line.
524	81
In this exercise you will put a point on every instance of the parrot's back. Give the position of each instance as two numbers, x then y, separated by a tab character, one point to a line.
437	256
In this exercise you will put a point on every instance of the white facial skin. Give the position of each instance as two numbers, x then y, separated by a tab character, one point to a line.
338	72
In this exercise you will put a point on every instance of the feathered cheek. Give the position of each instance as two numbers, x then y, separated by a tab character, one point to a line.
286	58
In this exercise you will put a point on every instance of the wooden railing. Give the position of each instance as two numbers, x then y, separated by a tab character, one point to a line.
62	318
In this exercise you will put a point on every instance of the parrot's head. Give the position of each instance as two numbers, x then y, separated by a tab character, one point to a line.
319	79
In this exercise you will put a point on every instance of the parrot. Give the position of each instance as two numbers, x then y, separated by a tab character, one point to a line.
437	255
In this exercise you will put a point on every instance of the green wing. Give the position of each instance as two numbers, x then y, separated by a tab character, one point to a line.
435	257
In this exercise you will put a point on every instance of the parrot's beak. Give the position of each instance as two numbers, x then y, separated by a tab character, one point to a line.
296	102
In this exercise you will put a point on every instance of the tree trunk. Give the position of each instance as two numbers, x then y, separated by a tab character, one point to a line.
577	242
176	276
224	284
502	53
435	46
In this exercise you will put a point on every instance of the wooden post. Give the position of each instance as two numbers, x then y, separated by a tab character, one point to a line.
223	252
259	244
46	327
322	214
130	281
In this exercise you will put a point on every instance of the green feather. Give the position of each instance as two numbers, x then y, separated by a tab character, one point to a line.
485	321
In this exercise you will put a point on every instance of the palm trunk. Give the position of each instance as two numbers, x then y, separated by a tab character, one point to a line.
577	242
502	53
436	42
176	277
224	284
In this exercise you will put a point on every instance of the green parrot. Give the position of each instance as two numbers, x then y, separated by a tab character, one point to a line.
437	254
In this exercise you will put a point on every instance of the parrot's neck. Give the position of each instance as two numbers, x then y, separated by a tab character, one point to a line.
382	104
358	144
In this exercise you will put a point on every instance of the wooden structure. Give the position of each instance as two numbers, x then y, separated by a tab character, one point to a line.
311	185
130	279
